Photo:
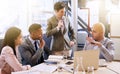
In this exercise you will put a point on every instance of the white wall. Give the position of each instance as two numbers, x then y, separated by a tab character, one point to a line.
115	24
117	47
115	31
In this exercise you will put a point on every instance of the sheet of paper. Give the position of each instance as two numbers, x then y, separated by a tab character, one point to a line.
44	68
26	72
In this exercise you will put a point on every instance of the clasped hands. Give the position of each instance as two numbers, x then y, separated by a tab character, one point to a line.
60	24
92	41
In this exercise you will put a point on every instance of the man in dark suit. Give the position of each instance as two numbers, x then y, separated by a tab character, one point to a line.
32	48
60	29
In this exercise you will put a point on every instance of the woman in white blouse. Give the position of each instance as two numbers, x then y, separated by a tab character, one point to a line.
9	54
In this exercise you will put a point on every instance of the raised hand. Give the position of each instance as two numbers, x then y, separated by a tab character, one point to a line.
60	24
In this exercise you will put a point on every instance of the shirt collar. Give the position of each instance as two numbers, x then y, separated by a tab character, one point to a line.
103	40
31	40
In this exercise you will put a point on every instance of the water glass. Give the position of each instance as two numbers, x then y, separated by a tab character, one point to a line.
90	70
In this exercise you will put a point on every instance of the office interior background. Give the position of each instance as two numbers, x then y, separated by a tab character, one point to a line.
82	13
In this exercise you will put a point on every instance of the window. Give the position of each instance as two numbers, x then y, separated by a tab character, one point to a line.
22	13
94	11
13	13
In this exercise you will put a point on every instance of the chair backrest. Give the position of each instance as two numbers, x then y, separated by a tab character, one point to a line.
47	40
1	41
81	38
47	46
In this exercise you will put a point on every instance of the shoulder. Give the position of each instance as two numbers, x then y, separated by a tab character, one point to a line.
51	18
26	44
108	41
26	41
7	50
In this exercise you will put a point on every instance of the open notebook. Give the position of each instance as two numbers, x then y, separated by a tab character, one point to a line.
90	58
39	69
53	59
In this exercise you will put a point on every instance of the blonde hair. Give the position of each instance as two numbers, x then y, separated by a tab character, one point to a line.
100	27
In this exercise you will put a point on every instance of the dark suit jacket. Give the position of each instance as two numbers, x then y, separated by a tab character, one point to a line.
58	36
29	55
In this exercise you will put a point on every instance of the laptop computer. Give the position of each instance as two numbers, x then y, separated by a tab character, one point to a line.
89	58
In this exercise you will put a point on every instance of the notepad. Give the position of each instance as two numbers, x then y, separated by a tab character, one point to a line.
55	57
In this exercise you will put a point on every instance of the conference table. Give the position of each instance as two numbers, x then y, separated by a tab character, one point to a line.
111	68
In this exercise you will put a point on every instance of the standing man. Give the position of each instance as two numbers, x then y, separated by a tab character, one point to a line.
99	41
61	30
32	48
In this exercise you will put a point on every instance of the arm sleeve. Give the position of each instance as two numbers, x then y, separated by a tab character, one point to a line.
108	51
2	61
28	56
51	31
11	59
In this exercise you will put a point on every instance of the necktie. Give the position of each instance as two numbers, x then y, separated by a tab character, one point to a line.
35	43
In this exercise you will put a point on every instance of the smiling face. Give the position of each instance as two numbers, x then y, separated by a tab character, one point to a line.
37	34
35	31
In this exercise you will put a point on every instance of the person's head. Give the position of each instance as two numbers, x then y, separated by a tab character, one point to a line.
98	31
59	8
13	38
35	31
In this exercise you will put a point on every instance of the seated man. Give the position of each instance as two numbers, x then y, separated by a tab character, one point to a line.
99	41
32	48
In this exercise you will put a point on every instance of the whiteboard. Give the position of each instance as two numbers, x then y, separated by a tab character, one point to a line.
115	25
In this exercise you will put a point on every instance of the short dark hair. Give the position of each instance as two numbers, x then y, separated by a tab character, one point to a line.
34	27
59	5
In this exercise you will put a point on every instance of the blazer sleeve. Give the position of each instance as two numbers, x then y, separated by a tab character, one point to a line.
11	59
2	61
50	29
29	55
